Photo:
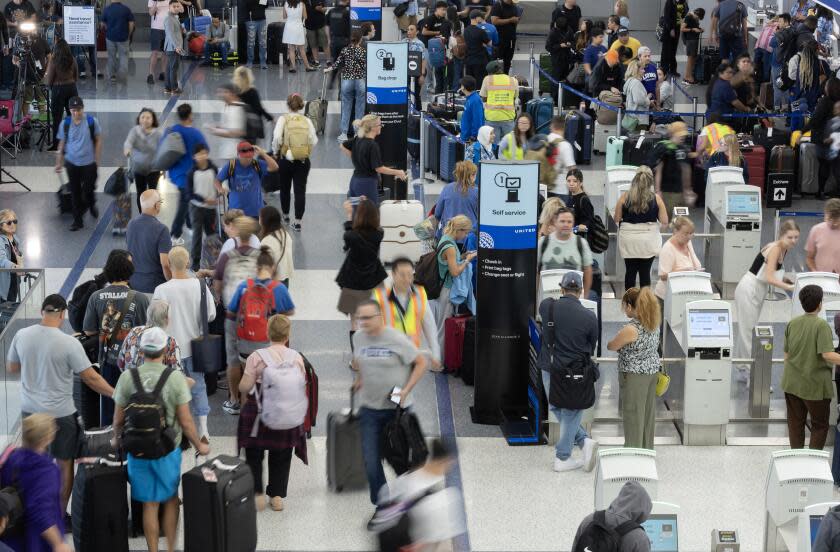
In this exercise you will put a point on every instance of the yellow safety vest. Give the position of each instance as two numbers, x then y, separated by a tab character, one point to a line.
513	151
410	321
714	134
501	98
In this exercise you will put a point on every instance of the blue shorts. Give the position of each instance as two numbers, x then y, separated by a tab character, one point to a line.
155	480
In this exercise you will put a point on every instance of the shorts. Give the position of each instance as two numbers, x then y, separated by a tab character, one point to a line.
236	349
156	37
68	437
692	46
155	480
404	21
316	39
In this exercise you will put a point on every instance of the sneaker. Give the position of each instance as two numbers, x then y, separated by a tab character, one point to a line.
231	408
82	75
265	68
286	219
177	241
342	137
292	70
150	79
167	91
310	69
296	226
161	77
118	232
568	464
277	503
590	454
177	91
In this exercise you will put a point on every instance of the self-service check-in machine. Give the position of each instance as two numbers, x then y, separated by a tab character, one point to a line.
618	181
717	179
739	223
809	523
797	479
828	281
683	287
830	310
550	282
616	466
662	527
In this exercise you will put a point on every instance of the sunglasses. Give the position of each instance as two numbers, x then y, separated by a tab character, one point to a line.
248	150
10	221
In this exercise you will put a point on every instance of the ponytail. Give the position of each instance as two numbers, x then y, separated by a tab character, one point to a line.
646	305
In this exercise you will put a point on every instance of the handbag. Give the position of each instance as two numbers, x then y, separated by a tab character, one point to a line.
207	349
170	150
663	381
629	123
400	9
577	76
116	183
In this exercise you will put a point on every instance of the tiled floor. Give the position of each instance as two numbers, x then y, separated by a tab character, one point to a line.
513	499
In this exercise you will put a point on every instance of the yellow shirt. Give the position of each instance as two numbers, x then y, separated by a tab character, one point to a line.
632	43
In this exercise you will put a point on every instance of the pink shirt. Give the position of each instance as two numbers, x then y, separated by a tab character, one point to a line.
673	260
826	243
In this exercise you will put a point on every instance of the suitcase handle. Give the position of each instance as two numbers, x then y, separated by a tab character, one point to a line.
219	465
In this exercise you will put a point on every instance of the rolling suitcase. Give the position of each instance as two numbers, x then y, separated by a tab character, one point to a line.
219	510
755	157
637	148
707	64
809	168
602	136
414	135
541	111
99	506
468	363
316	109
96	443
615	151
768	138
397	219
579	134
345	464
453	351
433	149
276	50
451	151
87	402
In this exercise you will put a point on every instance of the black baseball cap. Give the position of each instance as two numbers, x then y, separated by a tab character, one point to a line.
76	103
54	303
623	31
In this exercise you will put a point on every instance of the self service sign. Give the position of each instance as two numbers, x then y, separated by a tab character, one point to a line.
506	285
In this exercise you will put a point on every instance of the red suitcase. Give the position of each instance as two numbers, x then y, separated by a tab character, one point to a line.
453	345
755	156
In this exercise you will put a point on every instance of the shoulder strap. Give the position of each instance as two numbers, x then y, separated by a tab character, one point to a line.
543	248
161	382
626	527
550	330
205	326
257	167
580	250
91	127
135	376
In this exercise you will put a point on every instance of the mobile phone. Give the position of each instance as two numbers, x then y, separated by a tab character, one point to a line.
395	397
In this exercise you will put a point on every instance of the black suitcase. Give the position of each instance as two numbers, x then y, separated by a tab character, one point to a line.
414	135
345	464
637	149
86	401
100	507
275	49
467	372
433	150
768	138
96	443
707	64
65	199
579	133
219	510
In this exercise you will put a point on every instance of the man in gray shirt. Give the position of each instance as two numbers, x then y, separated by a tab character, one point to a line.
47	360
383	359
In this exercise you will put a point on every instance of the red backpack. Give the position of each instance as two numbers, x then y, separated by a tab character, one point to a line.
255	306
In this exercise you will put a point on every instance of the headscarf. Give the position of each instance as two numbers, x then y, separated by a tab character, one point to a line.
484	143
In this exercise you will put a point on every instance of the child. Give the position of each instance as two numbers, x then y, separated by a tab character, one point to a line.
173	45
203	199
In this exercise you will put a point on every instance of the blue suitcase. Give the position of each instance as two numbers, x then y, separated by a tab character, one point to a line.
451	151
541	111
579	134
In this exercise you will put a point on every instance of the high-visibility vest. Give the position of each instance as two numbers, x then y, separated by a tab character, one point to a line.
501	98
513	151
714	134
410	321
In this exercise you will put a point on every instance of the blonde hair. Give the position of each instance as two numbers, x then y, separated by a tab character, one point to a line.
465	175
247	227
5	213
458	222
179	258
243	78
788	226
279	328
641	191
232	214
621	8
832	208
37	430
681	222
551	207
732	150
646	306
634	70
365	125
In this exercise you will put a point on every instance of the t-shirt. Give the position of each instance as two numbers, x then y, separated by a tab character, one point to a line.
116	17
807	374
192	137
79	148
503	10
245	186
565	253
434	23
722	97
314	19
174	393
101	317
282	299
691	22
825	242
674	157
476	38
19	12
233	118
184	298
366	156
480	5
726	9
649	78
146	239
46	372
161	11
632	45
385	361
563	161
572	14
592	54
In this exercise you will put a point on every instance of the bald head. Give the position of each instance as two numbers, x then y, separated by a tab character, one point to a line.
149	202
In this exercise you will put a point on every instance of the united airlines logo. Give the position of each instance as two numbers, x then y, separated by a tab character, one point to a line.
485	241
371	98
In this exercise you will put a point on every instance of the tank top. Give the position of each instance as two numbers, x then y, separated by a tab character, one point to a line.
761	262
651	215
641	356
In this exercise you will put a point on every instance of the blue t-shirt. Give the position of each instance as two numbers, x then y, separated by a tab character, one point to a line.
78	146
245	186
492	33
593	54
192	137
146	238
116	18
282	299
649	78
722	97
451	202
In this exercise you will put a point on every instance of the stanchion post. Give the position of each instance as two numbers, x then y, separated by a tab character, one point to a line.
559	97
618	123
532	73
694	109
423	139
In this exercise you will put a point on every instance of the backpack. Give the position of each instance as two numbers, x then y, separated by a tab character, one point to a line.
731	27
91	128
544	246
437	52
597	236
254	129
254	163
281	397
145	434
255	306
459	51
598	537
239	268
402	442
77	306
296	137
426	273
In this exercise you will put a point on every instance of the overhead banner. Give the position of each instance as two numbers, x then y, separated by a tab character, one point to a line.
79	25
366	11
506	286
387	97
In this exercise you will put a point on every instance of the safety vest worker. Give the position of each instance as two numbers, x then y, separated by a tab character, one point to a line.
501	98
714	133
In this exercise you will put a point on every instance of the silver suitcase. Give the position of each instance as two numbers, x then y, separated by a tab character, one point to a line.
398	219
602	133
345	464
809	168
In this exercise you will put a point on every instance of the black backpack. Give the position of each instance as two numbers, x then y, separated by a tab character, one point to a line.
77	306
254	129
598	537
146	434
426	273
402	443
731	27
572	383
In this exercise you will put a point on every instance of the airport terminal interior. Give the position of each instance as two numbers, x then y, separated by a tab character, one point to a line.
512	500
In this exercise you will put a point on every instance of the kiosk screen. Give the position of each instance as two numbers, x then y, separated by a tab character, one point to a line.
743	203
815	527
661	529
708	323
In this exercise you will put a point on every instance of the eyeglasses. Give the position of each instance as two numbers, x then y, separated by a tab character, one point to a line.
10	221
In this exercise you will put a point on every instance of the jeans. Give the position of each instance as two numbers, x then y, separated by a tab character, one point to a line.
371	423
82	182
182	214
60	95
117	58
571	432
279	463
222	47
501	128
293	173
255	28
199	406
352	93
172	59
204	224
731	48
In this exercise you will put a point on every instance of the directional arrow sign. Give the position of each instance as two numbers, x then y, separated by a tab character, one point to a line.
780	194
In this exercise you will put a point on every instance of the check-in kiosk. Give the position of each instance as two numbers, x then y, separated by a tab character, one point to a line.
683	287
829	283
616	466
797	479
809	523
729	257
618	181
717	179
830	310
662	527
550	283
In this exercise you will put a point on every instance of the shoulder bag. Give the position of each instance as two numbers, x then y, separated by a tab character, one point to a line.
208	355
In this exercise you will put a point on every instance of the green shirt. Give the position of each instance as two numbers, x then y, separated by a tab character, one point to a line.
175	393
807	375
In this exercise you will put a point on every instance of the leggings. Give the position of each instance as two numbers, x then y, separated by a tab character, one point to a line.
145	182
640	267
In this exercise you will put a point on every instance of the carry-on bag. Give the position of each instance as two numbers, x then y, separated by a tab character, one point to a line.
345	464
601	137
86	401
170	150
756	160
403	445
809	168
615	151
99	508
541	111
414	135
316	109
397	219
579	133
638	147
64	195
782	159
220	514
453	352
433	136
451	151
207	349
768	137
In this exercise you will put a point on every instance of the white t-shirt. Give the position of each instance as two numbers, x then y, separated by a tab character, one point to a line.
184	301
161	13
435	518
233	117
230	244
564	160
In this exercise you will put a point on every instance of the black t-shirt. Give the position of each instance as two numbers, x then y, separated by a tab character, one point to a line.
503	10
476	37
480	5
434	23
19	12
338	19
254	11
572	15
365	154
691	22
673	157
314	19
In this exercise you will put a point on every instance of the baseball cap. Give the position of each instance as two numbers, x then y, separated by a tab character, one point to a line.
54	303
623	31
494	67
571	281
153	340
76	103
245	149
